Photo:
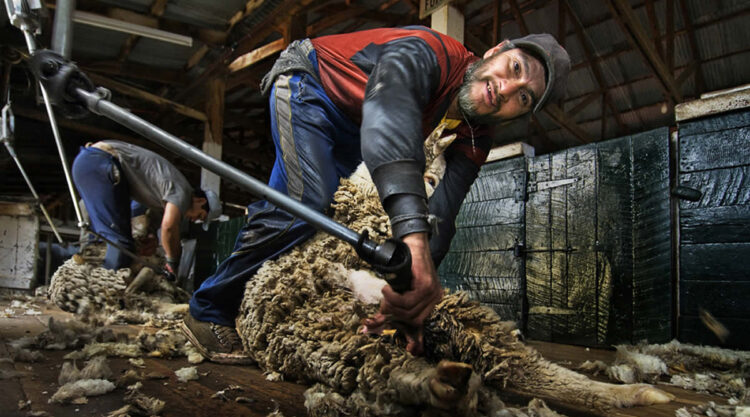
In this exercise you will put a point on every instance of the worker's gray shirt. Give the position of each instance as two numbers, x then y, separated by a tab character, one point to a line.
152	179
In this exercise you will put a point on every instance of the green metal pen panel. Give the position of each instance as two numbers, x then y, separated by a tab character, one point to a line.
715	229
213	245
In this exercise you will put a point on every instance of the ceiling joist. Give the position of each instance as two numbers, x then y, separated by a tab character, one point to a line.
622	12
148	97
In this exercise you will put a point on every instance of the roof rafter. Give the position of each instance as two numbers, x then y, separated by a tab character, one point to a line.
594	65
623	14
149	97
556	113
699	80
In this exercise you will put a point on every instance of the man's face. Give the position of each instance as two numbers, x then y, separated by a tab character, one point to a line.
502	86
197	211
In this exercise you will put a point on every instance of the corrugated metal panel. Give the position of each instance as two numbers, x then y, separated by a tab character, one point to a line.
701	11
96	43
589	11
141	6
728	73
156	53
581	80
259	14
204	13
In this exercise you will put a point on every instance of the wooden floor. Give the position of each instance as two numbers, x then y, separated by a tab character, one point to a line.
21	382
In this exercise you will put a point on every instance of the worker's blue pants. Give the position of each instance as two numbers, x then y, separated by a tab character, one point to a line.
316	145
107	199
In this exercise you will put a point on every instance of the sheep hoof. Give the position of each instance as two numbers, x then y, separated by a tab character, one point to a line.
451	381
644	394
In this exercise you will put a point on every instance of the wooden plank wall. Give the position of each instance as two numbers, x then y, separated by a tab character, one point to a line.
481	260
598	250
614	240
561	262
715	230
596	264
652	238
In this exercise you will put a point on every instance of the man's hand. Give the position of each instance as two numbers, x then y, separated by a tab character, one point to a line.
408	311
170	269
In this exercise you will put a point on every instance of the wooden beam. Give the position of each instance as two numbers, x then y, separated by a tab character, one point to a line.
259	32
213	130
654	24
537	126
249	7
146	96
248	77
561	31
643	44
474	44
699	80
133	17
274	19
344	15
497	11
686	73
562	28
257	55
583	104
603	132
598	75
135	71
679	80
670	35
518	16
562	119
196	57
85	128
554	111
722	101
449	20
296	27
158	7
510	150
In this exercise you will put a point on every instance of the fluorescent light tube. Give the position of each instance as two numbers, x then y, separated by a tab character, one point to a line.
132	28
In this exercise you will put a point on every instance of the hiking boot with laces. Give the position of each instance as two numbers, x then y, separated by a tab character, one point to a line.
215	342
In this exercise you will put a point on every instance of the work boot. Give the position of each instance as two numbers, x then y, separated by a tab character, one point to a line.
215	342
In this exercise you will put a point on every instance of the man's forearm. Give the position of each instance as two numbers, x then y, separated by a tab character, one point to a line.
170	240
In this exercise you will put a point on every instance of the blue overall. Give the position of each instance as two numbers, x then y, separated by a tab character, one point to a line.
107	200
316	145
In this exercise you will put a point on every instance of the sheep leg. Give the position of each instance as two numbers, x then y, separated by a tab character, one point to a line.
538	376
144	277
447	386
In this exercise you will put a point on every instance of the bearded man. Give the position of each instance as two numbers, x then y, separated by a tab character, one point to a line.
374	96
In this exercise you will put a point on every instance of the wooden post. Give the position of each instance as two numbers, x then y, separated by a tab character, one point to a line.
450	21
212	137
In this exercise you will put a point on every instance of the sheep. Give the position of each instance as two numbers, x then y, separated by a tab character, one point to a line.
300	320
80	285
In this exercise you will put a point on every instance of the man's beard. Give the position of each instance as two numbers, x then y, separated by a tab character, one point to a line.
466	105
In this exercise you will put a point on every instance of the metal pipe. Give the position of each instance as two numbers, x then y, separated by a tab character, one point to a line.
31	45
62	30
101	106
13	155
